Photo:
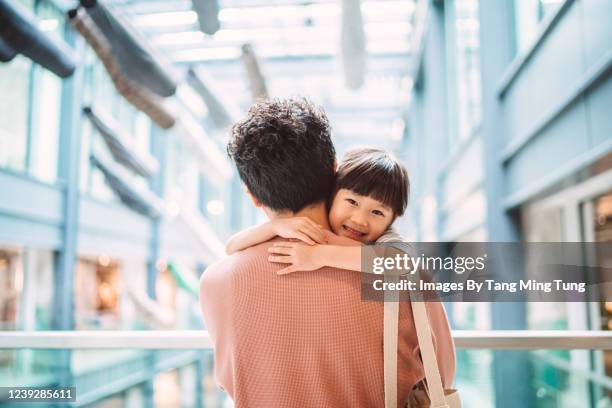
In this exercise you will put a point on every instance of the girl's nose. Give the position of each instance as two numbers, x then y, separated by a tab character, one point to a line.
359	219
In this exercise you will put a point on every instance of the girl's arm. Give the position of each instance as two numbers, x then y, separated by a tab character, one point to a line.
301	228
309	258
249	237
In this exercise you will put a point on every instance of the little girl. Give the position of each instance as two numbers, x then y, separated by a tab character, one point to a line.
371	191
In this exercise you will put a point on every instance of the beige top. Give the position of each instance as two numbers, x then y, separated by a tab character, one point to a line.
307	339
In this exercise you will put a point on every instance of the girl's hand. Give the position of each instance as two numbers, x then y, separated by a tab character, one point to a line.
302	228
301	257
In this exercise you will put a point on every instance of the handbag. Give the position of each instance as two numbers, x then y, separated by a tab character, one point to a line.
431	394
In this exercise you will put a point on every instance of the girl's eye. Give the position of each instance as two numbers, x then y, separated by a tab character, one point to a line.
378	212
351	201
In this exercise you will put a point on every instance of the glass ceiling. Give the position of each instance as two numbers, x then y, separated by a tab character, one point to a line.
298	44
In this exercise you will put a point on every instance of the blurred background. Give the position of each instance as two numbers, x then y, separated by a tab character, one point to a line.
116	192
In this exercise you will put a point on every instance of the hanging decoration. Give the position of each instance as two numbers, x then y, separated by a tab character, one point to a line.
353	44
208	15
139	96
19	33
221	110
120	145
256	79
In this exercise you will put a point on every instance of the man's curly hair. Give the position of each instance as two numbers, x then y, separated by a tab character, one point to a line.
284	153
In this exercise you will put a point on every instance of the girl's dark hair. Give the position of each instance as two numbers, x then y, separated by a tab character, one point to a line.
376	173
284	153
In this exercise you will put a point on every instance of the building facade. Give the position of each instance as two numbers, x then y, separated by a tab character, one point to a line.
509	140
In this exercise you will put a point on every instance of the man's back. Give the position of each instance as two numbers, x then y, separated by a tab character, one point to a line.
306	339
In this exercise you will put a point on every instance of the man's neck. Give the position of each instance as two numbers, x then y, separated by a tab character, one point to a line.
317	213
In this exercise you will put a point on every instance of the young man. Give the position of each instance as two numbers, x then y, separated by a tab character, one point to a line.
301	340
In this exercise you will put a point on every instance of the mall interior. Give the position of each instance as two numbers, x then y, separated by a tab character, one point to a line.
116	190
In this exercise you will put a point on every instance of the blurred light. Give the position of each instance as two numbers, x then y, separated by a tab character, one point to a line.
386	30
609	307
328	12
107	295
384	9
279	35
212	162
397	129
429	205
173	209
192	100
207	54
326	48
180	38
602	219
18	281
215	207
161	265
388	47
313	15
406	83
467	24
173	18
280	13
104	260
48	25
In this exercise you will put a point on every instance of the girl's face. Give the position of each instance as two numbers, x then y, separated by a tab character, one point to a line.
358	217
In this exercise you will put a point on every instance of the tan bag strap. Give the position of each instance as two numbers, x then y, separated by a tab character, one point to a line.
391	322
428	355
424	336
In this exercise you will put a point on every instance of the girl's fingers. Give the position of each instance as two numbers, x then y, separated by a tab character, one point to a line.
280	250
303	237
309	221
314	233
286	270
283	244
280	259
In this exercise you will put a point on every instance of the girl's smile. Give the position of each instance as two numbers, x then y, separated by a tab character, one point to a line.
358	217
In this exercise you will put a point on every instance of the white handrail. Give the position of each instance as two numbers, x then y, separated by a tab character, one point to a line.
199	339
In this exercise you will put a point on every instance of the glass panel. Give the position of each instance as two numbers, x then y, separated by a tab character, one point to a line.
603	233
103	90
185	377
468	79
126	377
11	287
37	300
14	89
545	225
26	288
556	380
99	91
216	206
111	294
46	105
528	14
97	294
182	173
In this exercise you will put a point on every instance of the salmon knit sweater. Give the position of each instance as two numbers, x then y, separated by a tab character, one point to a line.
307	339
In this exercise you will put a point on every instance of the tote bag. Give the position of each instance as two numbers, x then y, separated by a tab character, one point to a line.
431	396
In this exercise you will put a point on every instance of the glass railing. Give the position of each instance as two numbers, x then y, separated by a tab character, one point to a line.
556	378
112	378
175	368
